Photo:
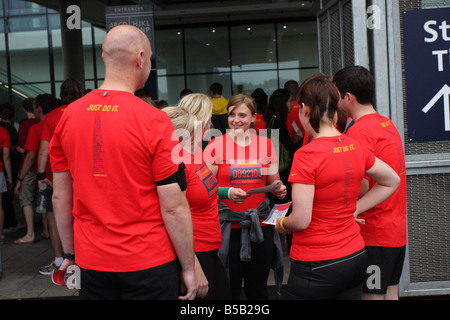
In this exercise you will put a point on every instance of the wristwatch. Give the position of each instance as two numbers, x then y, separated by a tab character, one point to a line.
69	256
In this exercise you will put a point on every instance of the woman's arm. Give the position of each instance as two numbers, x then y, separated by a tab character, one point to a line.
237	195
274	178
302	204
387	181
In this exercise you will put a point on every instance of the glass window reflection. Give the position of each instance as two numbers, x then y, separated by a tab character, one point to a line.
99	36
298	75
28	51
247	82
201	83
253	47
169	52
20	7
169	88
207	50
297	44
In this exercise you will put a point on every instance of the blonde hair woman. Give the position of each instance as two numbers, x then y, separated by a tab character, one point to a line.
191	119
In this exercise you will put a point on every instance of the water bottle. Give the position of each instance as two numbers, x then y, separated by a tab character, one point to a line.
43	198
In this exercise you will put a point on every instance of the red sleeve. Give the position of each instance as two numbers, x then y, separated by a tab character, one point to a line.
303	170
33	139
58	160
161	146
46	133
369	157
6	140
22	134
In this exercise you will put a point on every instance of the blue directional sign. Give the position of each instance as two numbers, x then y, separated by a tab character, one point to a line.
426	35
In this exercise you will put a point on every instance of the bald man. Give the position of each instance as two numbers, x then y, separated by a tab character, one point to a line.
118	196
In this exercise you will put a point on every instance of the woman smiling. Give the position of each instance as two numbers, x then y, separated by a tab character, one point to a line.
242	160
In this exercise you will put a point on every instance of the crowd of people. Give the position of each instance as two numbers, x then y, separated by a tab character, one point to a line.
26	167
169	202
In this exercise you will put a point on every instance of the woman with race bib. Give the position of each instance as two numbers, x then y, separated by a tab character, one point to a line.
242	160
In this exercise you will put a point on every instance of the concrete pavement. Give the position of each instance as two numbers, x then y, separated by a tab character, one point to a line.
21	278
20	265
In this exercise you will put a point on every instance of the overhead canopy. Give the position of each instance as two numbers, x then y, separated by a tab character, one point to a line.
173	12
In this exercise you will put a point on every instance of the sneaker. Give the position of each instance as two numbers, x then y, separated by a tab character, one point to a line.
47	270
10	230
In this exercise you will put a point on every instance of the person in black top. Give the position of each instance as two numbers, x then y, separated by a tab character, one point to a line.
275	116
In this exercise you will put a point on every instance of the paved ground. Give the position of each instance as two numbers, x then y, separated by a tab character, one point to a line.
22	280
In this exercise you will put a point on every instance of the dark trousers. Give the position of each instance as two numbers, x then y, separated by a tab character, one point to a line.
218	282
159	283
339	279
255	272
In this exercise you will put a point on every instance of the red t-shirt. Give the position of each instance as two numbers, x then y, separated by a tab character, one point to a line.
201	194
386	223
116	147
24	128
5	142
242	167
260	124
51	121
336	167
33	142
294	117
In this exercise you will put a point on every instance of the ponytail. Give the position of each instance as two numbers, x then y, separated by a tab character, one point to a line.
322	96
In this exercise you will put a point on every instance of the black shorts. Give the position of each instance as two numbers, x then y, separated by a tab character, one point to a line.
386	261
337	279
158	283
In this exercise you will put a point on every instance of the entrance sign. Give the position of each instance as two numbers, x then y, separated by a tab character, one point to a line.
140	16
426	35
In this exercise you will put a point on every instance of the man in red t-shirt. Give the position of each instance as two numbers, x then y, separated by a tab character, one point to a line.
70	91
26	180
293	123
384	231
118	200
43	104
28	183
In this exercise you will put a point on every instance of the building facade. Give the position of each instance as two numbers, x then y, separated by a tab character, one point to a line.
245	54
241	56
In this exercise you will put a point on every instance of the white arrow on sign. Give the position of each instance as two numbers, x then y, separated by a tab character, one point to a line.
444	92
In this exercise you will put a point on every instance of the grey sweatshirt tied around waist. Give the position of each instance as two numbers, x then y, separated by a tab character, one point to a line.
250	232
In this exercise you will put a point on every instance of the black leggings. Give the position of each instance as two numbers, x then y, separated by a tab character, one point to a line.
218	283
340	279
255	272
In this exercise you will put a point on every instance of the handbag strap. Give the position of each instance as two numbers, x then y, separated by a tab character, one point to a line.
269	131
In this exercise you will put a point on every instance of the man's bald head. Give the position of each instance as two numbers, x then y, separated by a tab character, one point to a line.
126	50
123	41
